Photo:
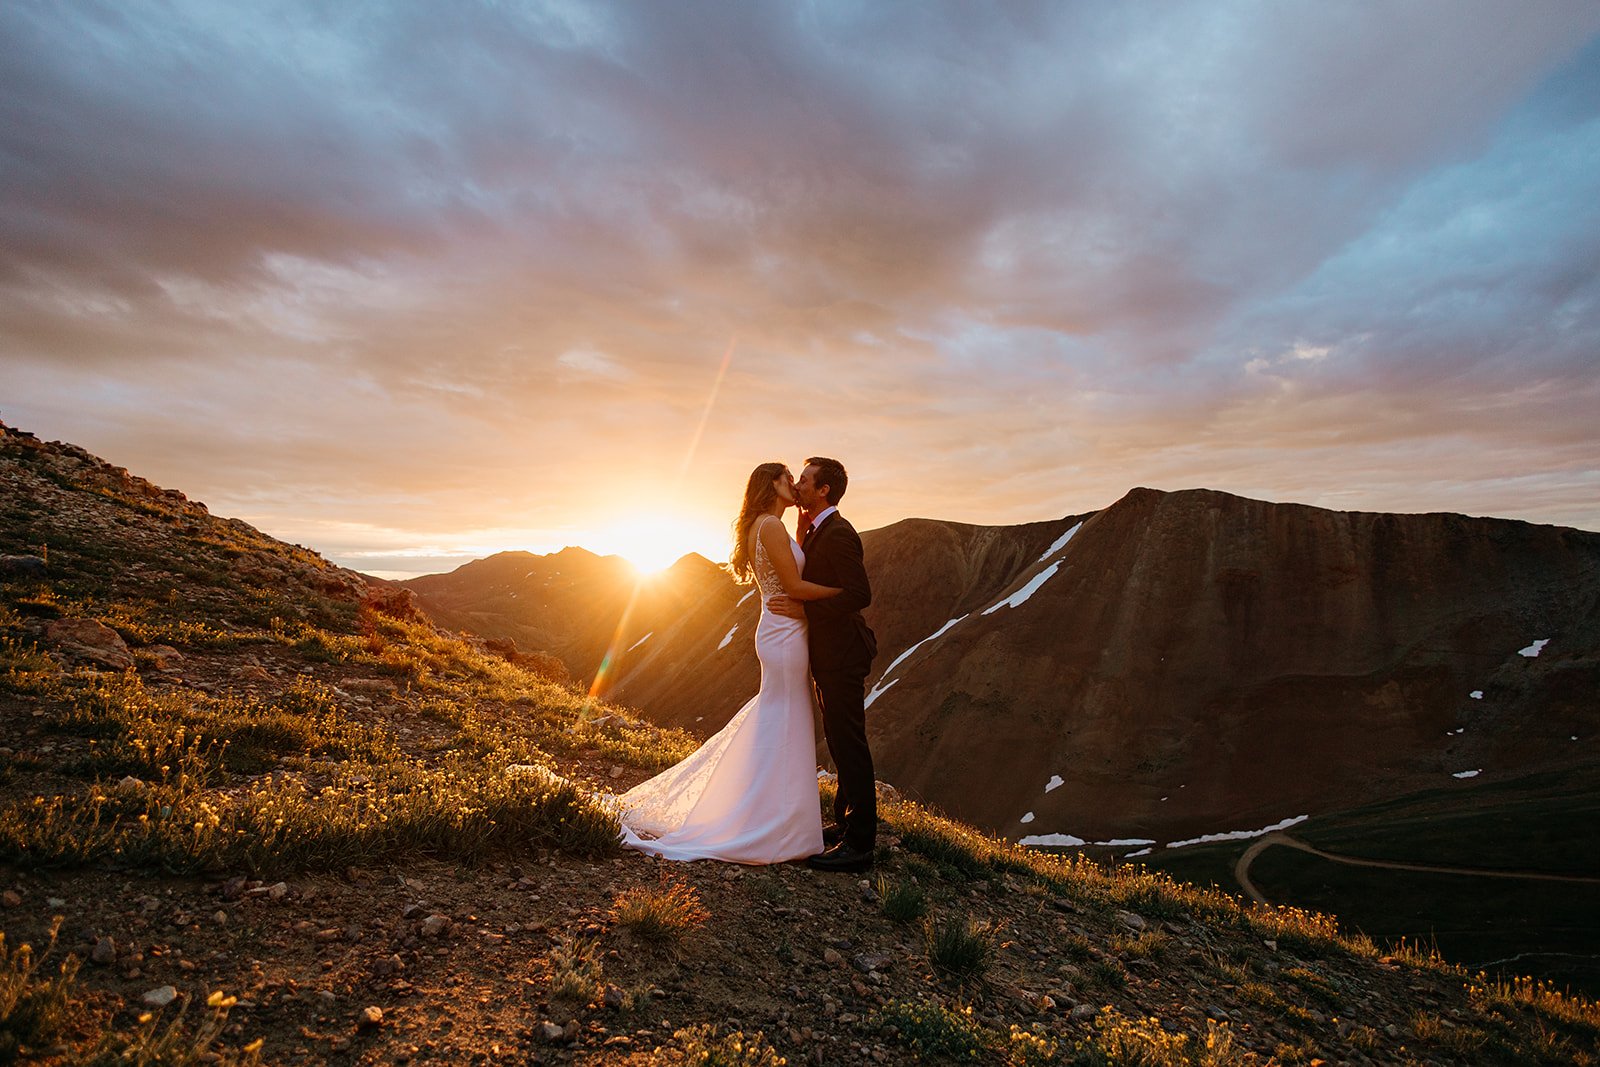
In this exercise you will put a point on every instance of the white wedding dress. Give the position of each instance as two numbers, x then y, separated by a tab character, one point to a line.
749	794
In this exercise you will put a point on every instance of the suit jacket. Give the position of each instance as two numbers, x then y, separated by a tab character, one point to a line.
840	638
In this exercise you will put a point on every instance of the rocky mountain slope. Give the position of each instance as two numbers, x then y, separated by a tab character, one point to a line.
239	782
1175	665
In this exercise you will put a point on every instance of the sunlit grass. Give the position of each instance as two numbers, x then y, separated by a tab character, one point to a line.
659	916
41	1007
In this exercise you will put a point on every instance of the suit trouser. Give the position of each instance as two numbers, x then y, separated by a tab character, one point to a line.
844	725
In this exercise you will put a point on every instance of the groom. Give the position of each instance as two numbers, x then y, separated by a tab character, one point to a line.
842	647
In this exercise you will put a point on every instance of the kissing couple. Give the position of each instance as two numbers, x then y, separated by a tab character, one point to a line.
749	794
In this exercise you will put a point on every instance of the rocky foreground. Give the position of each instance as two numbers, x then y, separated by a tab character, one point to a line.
266	807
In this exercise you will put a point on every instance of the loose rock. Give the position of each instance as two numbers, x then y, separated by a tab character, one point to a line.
160	996
867	962
371	1018
370	687
104	953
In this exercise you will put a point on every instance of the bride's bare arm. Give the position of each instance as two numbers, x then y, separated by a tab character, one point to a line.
776	541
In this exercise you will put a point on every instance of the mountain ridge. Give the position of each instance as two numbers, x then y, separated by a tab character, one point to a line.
1322	617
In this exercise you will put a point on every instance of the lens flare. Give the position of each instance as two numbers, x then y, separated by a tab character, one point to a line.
603	674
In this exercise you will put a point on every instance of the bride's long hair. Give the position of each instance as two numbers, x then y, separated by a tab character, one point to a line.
758	497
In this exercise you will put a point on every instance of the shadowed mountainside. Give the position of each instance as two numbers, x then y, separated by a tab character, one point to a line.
1193	662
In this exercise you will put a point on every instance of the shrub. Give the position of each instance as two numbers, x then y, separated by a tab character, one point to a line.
1078	947
1025	1048
1118	1041
575	970
930	1029
902	901
960	948
1544	999
703	1046
34	1008
38	1010
1151	944
154	1045
1106	974
661	916
1460	1041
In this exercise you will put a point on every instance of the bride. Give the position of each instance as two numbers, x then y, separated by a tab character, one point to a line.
749	794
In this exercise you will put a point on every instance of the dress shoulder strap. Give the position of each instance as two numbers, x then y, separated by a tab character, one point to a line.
758	547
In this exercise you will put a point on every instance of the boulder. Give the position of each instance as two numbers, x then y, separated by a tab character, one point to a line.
23	567
397	602
541	664
163	658
368	687
88	641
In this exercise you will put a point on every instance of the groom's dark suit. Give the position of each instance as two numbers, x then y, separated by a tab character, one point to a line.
842	647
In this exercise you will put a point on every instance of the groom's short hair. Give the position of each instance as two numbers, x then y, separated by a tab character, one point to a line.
830	472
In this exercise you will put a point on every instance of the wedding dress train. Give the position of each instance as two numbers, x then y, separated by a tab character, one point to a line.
749	794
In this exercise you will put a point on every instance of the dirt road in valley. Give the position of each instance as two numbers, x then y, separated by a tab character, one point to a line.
1241	868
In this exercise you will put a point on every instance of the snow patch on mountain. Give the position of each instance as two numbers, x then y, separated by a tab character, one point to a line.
1239	835
940	632
1061	542
1021	596
1053	840
877	691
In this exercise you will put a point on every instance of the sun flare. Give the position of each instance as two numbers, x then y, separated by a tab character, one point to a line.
654	544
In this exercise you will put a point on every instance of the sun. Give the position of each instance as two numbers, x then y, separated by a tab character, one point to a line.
650	559
655	543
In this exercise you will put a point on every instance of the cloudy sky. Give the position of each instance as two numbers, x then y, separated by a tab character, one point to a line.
413	281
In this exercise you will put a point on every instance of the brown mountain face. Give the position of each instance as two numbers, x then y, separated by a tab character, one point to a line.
1196	662
1185	663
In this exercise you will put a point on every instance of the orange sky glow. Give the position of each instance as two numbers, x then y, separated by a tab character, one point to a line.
411	287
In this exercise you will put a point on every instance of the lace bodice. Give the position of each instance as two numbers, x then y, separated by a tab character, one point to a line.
766	574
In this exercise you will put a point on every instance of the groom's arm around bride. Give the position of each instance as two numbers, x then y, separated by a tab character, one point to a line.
842	646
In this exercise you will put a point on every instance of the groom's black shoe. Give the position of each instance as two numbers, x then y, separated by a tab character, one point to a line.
842	857
832	834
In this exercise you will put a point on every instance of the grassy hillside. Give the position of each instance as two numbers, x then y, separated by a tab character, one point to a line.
239	781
